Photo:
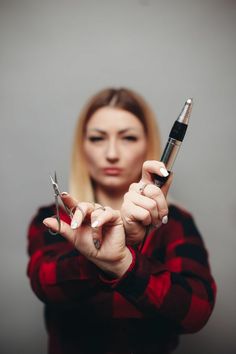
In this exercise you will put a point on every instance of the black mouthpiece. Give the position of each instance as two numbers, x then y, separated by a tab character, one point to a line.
178	131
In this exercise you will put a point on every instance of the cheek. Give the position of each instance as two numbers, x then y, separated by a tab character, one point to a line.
137	155
134	165
94	160
91	155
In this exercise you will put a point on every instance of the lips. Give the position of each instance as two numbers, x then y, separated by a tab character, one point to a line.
112	171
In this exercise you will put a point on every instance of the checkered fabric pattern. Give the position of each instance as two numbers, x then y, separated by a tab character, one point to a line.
167	290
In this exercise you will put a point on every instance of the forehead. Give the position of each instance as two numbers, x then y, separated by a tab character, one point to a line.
113	119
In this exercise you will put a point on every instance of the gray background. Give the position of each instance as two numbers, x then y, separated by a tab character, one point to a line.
54	55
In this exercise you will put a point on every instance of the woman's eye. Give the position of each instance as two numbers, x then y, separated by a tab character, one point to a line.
130	138
95	139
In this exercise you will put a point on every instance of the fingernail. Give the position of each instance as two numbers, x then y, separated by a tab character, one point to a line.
64	193
165	219
164	172
96	243
74	225
95	224
45	223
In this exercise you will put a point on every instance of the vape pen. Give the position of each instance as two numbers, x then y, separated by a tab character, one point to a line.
176	137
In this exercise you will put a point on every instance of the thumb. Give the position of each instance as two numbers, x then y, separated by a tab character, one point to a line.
65	230
151	167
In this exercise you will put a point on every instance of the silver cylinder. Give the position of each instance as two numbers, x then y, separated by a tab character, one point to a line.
170	152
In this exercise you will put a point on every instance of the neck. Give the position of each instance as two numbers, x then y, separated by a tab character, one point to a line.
111	197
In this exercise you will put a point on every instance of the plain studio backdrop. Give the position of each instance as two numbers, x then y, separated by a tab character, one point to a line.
54	55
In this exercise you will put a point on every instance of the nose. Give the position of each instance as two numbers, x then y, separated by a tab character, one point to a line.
112	154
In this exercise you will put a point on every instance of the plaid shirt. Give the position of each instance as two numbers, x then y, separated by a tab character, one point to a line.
167	290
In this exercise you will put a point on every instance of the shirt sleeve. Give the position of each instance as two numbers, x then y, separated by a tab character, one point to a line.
171	276
57	271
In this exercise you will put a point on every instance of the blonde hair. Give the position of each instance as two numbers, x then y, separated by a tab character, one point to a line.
80	182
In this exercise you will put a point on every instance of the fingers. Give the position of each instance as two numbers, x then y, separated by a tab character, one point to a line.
103	215
68	200
150	167
132	212
95	215
146	203
81	211
96	224
156	194
149	190
142	208
65	229
100	217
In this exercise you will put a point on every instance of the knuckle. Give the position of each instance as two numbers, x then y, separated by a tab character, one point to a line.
126	196
108	209
95	213
133	186
146	214
126	219
164	211
156	192
152	191
152	204
157	189
146	164
125	211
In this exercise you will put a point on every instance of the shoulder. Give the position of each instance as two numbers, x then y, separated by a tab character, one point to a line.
47	211
38	234
180	218
43	212
178	212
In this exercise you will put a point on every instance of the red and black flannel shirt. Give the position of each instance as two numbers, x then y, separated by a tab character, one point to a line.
167	290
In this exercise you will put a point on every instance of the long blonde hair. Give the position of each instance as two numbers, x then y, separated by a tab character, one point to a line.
80	183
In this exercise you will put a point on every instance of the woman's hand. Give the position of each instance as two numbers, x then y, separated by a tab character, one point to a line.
145	204
96	232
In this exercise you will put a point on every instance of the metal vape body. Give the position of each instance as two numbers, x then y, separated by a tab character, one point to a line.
170	153
175	139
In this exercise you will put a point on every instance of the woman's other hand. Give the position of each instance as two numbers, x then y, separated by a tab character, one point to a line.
145	204
96	232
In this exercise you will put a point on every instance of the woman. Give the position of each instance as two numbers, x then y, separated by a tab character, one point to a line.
110	283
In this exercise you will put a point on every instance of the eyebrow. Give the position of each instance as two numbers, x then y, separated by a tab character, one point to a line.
119	131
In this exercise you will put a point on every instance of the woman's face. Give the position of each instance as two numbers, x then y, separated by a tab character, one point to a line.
115	147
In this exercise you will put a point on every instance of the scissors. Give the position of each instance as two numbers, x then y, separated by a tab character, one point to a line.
57	196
